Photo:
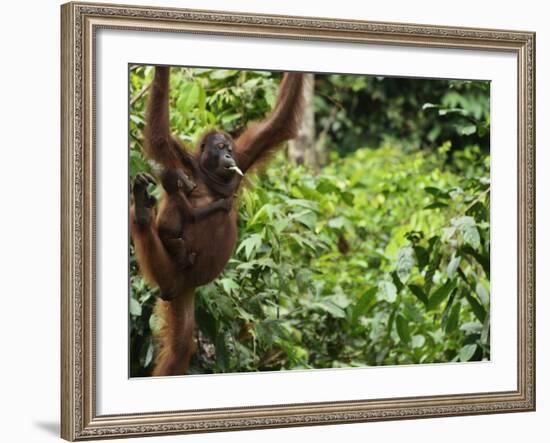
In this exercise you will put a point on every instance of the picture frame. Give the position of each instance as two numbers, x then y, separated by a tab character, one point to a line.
81	22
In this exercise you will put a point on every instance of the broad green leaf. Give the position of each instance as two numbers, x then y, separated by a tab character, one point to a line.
468	229
467	130
250	244
447	309
452	320
337	222
452	266
228	118
436	205
149	355
363	304
477	308
326	186
307	218
471	327
155	322
348	198
395	278
418	341
484	337
331	308
403	328
387	291
340	300
440	294
222	74
482	293
422	256
405	263
135	307
436	192
228	285
188	99
419	293
482	259
202	104
467	352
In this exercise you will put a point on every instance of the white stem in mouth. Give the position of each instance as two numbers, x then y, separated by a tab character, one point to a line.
237	170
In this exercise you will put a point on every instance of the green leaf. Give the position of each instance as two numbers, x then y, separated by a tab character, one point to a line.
149	355
228	285
484	337
405	263
222	74
452	266
228	118
307	218
419	293
447	309
202	104
471	327
418	341
436	192
135	307
137	119
326	186
402	328
188	99
430	106
422	256
467	130
477	308
467	352
331	308
453	319
396	281
155	323
337	222
468	229
436	205
482	259
250	244
348	198
482	293
387	291
363	304
440	294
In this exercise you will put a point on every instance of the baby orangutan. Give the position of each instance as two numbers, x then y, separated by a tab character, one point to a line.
177	186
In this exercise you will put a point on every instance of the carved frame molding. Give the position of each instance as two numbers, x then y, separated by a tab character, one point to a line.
79	23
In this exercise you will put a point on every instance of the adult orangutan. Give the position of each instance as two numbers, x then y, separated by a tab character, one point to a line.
187	241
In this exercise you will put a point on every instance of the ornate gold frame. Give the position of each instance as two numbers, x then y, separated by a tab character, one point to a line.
79	420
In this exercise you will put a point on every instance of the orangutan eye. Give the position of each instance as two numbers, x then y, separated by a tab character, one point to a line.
221	145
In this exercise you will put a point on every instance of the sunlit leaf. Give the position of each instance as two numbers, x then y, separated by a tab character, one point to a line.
467	352
387	291
467	227
405	263
403	328
135	307
441	294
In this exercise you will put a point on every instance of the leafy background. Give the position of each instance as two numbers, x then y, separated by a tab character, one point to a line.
377	256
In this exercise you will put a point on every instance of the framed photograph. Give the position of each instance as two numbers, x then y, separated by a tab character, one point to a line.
277	221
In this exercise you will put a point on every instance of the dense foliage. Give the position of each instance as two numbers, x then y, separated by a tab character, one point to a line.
381	257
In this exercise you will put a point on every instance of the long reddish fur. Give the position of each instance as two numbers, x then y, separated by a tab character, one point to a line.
253	147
